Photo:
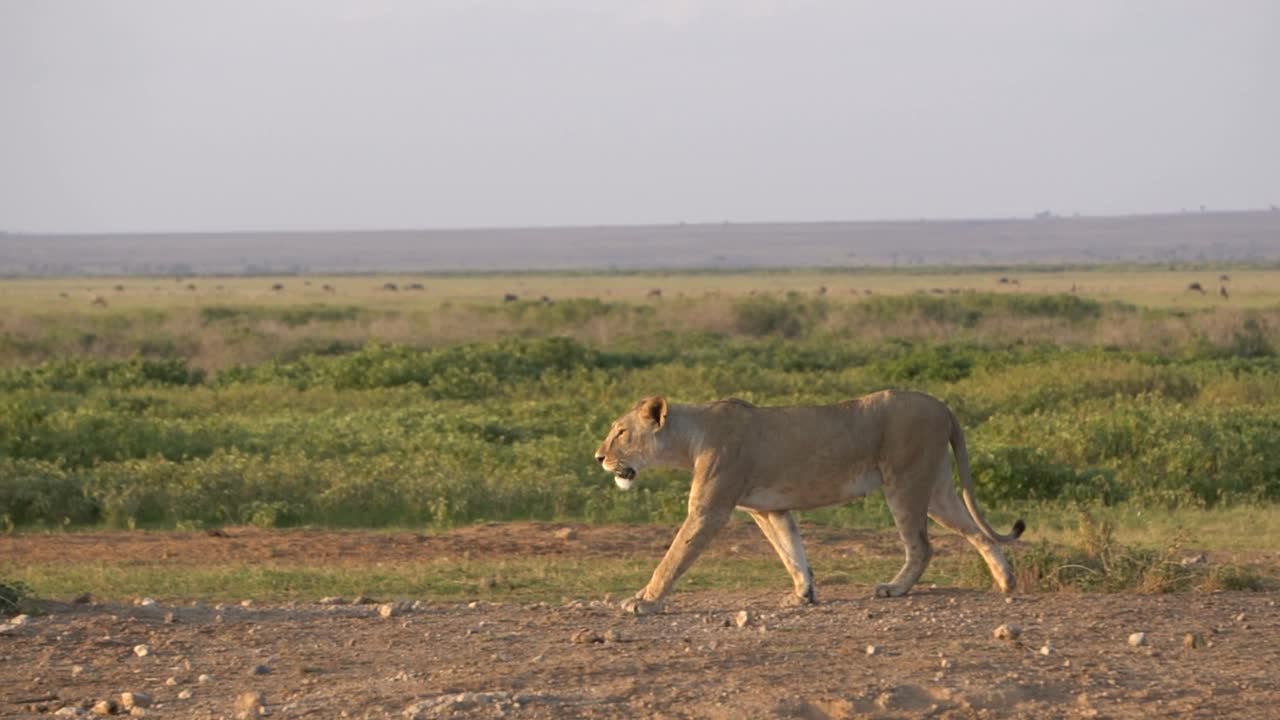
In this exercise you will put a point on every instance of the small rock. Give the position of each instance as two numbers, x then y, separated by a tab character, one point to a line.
1046	649
586	636
260	670
171	681
145	602
473	604
1007	631
1193	641
567	533
76	670
184	694
105	707
742	619
394	609
68	711
131	700
246	603
332	600
1240	618
250	703
1197	559
612	636
1138	639
142	650
947	663
17	620
204	679
873	650
83	598
137	712
364	600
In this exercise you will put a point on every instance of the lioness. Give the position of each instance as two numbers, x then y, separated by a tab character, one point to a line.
769	461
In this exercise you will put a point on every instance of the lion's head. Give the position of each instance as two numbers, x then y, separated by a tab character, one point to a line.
634	441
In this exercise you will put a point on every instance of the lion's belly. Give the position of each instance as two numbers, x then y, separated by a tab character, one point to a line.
810	493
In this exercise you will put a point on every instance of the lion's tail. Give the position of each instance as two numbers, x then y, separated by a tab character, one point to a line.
966	488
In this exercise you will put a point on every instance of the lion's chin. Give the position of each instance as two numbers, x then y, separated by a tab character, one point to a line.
623	482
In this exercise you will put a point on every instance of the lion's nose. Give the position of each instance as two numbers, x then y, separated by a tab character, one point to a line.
599	458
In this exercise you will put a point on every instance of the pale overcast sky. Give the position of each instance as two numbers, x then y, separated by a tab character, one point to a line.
133	115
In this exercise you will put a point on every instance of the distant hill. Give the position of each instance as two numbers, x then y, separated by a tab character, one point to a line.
1185	237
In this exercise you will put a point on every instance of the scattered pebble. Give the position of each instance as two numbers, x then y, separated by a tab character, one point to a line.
1008	631
251	703
873	650
142	650
170	618
131	700
76	670
69	711
332	600
246	603
83	598
260	670
1240	618
17	620
105	707
145	602
947	663
1193	641
567	533
612	636
742	619
204	679
1138	639
171	681
1046	649
184	694
586	636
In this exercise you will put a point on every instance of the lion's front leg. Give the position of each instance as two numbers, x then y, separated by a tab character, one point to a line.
692	538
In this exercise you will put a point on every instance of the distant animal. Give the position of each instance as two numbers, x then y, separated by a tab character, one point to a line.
390	287
277	287
866	292
119	288
510	297
414	286
546	299
63	295
307	283
770	461
1195	287
1014	281
822	289
1224	278
654	293
327	288
938	291
98	301
1004	281
191	286
1073	287
1222	290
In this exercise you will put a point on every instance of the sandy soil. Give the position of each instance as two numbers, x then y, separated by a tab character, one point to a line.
934	651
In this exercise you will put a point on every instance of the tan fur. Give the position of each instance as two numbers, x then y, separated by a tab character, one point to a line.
769	461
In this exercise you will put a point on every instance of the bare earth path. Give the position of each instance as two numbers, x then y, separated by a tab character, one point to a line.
934	654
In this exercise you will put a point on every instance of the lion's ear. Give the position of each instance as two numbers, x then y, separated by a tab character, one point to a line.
655	410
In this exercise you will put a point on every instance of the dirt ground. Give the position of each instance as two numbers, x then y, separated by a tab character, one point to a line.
930	654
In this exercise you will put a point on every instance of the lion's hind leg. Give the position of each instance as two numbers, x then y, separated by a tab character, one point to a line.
948	510
784	535
910	515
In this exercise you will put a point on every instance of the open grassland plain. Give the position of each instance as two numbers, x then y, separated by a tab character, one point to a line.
427	439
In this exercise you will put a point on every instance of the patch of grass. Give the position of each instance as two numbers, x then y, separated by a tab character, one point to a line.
14	595
1097	562
515	579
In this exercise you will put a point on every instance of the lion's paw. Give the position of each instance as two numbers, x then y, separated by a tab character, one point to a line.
640	606
888	590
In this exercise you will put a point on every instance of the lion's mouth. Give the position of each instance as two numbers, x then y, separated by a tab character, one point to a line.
626	473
